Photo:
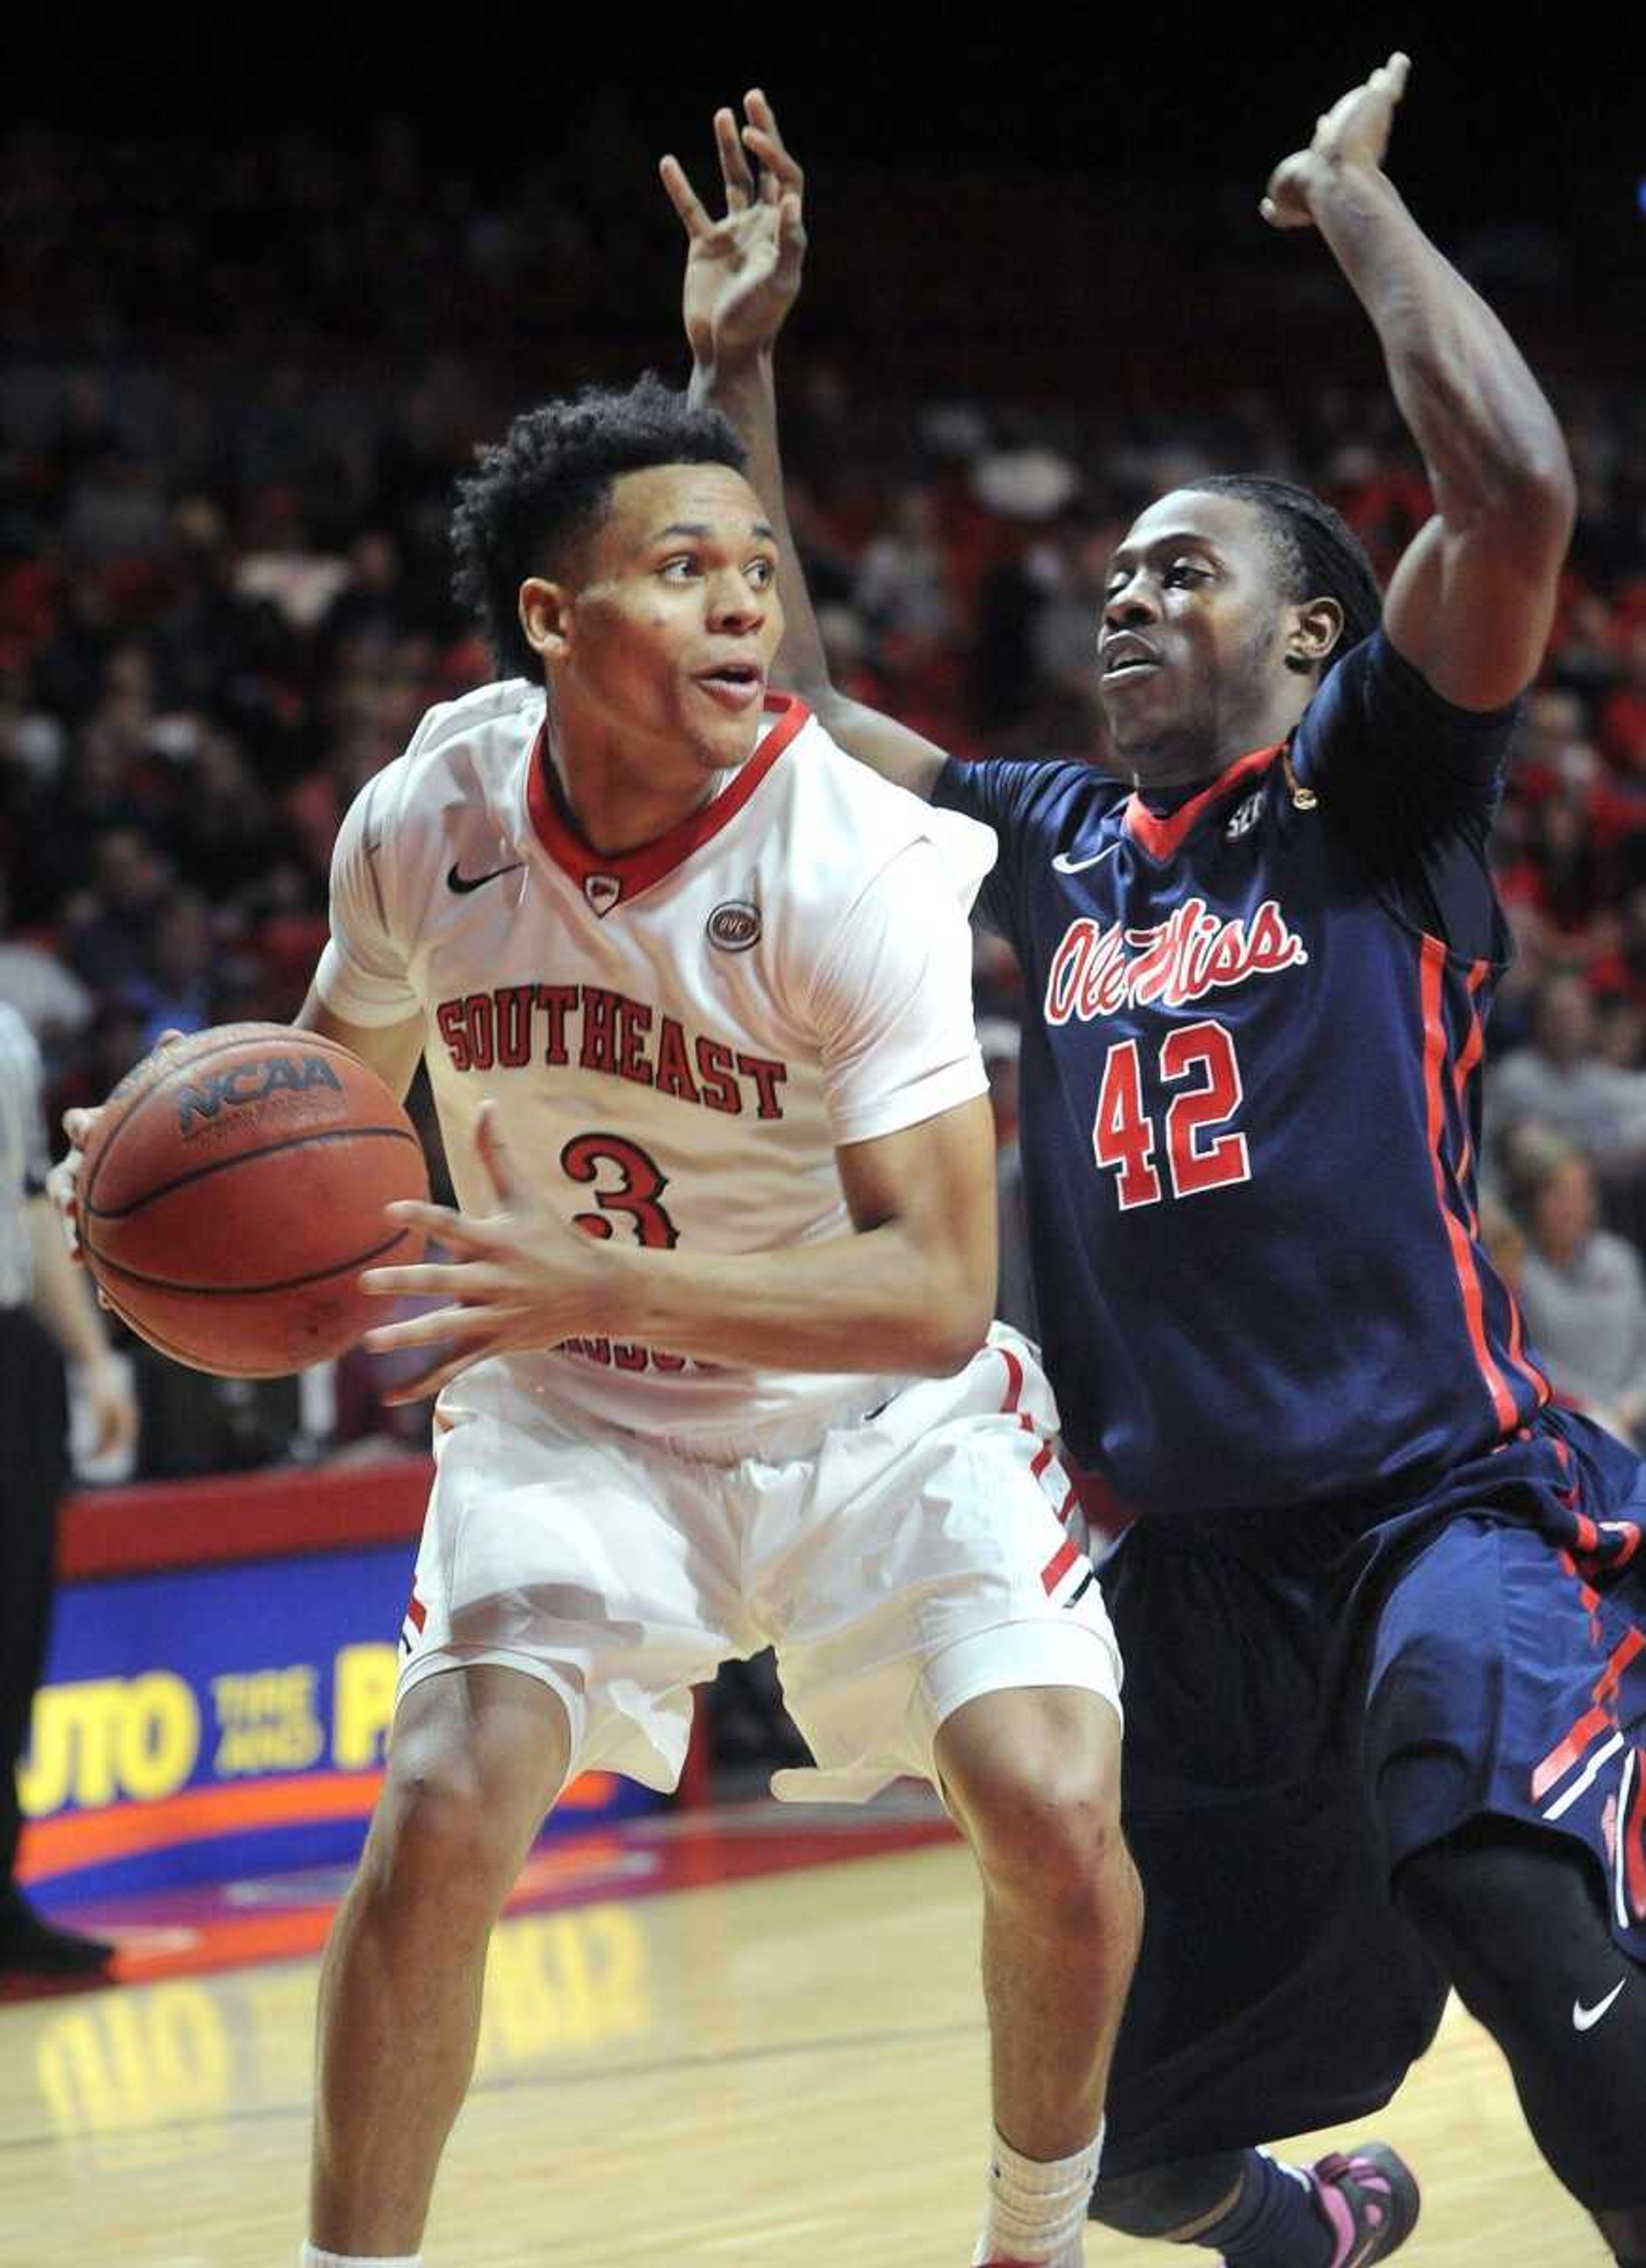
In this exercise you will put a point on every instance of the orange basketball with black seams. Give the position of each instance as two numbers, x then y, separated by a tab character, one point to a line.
232	1191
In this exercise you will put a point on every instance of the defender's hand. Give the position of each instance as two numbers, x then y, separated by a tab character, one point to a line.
522	1279
742	272
1354	133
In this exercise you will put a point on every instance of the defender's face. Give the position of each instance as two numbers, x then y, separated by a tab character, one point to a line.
674	623
1192	643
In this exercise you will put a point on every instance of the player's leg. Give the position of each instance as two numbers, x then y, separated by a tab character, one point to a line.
1518	1920
1277	1989
555	1622
1506	1691
478	1756
938	1620
1354	2207
1032	1776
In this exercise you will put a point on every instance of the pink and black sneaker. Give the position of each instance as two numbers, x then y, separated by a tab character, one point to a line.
1367	2199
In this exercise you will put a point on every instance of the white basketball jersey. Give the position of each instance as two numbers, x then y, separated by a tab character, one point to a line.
677	1037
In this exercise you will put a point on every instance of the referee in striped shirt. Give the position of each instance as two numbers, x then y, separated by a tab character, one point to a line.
47	1314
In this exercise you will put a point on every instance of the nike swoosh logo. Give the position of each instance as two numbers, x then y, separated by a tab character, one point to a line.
463	883
1065	864
1584	2018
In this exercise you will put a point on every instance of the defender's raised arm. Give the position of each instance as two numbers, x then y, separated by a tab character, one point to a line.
742	278
1471	604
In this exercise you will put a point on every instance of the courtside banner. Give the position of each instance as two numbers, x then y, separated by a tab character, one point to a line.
223	1710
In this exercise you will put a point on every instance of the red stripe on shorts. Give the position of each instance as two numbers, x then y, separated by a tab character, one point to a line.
1593	1722
1058	1565
1014	1380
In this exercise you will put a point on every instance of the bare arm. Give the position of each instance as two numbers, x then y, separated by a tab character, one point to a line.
911	1290
742	276
392	1050
1471	604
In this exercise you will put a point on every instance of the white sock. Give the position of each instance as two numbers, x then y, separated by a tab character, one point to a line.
312	2257
1037	2208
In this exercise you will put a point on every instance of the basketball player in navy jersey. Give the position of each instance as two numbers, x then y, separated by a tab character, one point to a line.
1382	1608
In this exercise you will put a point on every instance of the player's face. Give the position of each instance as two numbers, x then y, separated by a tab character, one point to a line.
1191	650
674	623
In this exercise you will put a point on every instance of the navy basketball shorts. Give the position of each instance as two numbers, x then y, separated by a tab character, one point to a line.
1311	1699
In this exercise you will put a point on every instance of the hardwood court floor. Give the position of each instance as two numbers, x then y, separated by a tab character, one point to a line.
780	2072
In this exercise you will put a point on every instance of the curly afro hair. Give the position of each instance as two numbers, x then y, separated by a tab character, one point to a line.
1317	552
547	485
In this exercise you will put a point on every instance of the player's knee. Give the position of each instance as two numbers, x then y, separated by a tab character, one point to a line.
1052	1839
1166	2202
439	1842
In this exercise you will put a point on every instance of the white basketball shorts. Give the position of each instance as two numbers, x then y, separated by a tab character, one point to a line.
914	1558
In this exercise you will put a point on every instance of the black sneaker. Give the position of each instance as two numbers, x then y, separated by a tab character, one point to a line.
1368	2199
33	1947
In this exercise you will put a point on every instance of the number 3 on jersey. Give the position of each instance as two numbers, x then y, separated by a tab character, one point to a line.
1123	1134
641	1183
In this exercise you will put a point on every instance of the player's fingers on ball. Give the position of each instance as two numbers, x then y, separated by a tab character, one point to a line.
429	1329
434	1220
386	1283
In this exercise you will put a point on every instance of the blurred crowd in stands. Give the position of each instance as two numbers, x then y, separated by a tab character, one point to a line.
232	411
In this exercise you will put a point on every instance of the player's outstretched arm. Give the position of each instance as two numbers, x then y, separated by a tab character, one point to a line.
742	278
910	1292
1471	602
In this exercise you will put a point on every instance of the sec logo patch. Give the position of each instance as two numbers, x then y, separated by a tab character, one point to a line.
1246	818
734	926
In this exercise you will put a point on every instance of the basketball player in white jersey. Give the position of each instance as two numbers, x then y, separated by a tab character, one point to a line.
713	1353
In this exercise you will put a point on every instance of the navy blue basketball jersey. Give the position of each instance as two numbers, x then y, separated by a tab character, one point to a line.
1250	1102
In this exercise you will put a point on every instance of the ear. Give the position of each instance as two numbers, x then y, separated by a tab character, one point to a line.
1315	630
546	617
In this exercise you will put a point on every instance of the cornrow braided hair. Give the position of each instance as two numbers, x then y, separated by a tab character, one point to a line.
537	494
1318	554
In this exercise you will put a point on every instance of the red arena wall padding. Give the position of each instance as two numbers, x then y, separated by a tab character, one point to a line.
209	1523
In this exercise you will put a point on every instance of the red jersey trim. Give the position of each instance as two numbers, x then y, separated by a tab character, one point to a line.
1469	1289
1464	1070
635	871
1163	837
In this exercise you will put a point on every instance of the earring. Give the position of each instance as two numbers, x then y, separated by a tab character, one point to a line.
1300	662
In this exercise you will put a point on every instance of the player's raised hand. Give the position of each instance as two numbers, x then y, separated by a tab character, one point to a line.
519	1278
742	271
1354	133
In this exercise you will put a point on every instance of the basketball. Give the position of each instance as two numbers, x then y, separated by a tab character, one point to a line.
232	1191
